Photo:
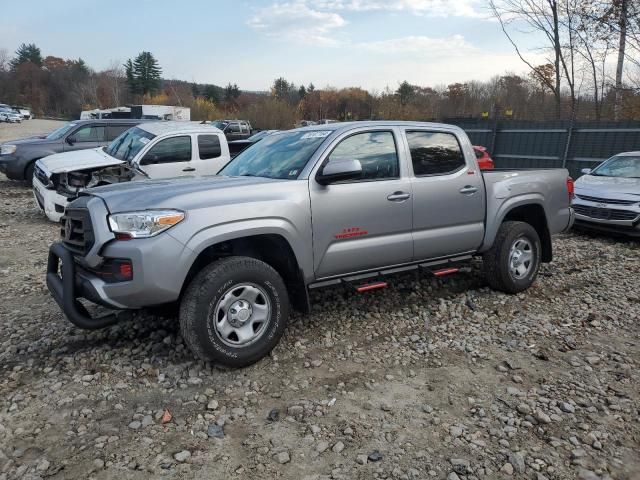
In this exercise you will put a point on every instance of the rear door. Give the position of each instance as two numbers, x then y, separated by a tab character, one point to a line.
114	131
86	136
213	154
448	192
366	223
169	157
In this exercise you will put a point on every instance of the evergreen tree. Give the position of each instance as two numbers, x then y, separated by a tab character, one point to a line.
302	92
143	74
27	53
231	92
212	93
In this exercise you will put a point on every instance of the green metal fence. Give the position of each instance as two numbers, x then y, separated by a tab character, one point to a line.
573	145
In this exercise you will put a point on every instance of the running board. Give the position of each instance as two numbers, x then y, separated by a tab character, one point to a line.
371	280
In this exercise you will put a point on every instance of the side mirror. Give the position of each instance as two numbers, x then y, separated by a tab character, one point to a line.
71	140
586	171
338	171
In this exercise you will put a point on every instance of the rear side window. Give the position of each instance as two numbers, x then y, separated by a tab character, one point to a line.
209	146
89	134
434	153
169	150
376	152
114	131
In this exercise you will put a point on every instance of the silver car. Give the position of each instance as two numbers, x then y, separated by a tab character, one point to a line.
608	197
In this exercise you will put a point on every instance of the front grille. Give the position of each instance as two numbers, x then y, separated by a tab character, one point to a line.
76	230
41	176
609	201
604	213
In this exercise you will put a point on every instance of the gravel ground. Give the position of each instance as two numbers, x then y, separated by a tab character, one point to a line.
440	379
28	128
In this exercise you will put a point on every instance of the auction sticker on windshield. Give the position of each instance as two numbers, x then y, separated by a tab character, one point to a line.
143	140
320	134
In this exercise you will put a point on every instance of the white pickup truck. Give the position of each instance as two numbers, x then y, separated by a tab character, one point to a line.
153	150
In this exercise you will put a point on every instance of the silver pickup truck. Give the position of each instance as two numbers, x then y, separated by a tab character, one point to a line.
346	203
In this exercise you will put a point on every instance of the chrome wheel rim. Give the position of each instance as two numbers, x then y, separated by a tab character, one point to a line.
242	315
521	259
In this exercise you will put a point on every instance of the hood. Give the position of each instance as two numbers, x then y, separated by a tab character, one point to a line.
32	141
183	193
77	160
608	186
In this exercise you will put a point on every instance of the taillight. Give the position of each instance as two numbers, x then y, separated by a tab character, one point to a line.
570	188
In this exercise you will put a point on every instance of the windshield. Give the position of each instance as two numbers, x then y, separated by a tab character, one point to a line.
128	144
280	155
220	125
61	132
621	166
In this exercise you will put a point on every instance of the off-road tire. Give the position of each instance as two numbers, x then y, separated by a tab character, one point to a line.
202	295
496	260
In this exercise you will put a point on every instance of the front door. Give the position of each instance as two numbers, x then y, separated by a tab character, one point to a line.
170	157
84	137
365	223
448	196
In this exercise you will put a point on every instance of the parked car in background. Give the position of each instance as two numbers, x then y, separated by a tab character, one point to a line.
326	121
236	146
349	203
24	112
485	162
18	157
153	150
234	129
607	198
10	116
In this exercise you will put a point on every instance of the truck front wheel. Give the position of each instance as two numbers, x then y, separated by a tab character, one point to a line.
511	265
234	311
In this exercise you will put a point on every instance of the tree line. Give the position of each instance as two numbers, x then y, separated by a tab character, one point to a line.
591	72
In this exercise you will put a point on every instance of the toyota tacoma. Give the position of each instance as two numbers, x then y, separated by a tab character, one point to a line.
344	203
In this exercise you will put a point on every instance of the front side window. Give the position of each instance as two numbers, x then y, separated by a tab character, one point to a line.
89	134
209	146
376	152
169	150
622	166
434	153
234	128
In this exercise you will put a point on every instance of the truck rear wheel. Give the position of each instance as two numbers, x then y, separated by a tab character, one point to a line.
234	311
511	265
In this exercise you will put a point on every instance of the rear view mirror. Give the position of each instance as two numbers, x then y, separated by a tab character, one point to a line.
586	171
71	139
338	171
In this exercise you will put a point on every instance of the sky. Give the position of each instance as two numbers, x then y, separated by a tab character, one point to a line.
370	44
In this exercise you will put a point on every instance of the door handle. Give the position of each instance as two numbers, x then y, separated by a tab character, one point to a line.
468	190
398	197
189	169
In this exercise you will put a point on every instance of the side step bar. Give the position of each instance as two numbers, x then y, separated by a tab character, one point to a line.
365	282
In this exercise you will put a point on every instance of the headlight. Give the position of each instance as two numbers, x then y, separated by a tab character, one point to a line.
7	149
144	224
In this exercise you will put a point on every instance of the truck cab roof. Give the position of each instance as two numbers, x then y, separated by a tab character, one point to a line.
172	127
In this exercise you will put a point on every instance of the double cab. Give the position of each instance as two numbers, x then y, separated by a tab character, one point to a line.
344	203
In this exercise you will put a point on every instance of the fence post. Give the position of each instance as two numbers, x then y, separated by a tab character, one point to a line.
568	142
494	133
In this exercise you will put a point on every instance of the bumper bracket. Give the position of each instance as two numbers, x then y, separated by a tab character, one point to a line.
63	290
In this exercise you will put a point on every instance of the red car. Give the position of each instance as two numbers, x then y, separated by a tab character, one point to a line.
484	160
